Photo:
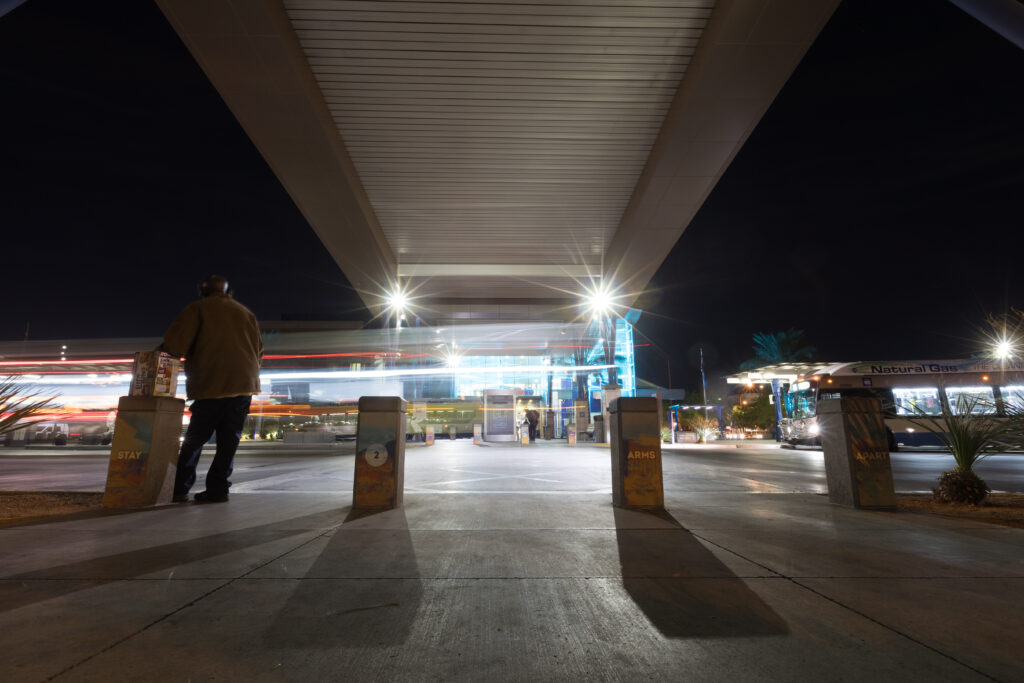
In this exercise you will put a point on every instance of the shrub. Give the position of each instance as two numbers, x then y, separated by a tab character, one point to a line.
706	428
970	435
758	415
19	403
961	486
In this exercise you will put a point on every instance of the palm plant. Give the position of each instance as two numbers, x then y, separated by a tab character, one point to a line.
970	433
18	404
772	348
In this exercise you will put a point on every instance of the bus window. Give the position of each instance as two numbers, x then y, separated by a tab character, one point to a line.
1013	398
883	394
917	400
979	400
801	400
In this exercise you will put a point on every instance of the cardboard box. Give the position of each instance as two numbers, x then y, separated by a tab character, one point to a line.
154	374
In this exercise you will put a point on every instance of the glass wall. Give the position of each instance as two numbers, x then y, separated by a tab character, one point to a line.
624	357
312	381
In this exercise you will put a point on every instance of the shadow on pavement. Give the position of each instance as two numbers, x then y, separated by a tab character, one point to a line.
43	584
364	589
682	588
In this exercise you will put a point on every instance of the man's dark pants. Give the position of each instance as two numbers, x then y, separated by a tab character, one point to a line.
225	416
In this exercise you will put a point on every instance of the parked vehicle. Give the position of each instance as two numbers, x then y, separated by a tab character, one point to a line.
905	389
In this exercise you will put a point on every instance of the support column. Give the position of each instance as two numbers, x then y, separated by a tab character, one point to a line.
609	392
144	452
636	454
380	453
777	399
856	447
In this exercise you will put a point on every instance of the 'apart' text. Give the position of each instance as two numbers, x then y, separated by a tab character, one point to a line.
871	455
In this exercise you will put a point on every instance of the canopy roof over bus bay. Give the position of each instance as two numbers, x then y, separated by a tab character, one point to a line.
785	372
284	341
497	158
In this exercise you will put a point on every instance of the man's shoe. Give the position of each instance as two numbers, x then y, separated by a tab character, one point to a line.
180	498
207	497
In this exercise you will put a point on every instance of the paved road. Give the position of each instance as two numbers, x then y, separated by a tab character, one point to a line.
507	563
768	468
761	468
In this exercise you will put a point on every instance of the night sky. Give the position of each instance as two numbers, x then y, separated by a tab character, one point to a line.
877	205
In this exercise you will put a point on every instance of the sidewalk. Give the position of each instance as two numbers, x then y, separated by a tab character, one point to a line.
481	578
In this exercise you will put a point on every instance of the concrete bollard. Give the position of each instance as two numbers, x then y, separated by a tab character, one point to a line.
144	452
636	454
380	453
856	447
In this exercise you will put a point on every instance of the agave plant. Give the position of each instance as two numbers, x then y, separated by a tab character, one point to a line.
19	403
970	431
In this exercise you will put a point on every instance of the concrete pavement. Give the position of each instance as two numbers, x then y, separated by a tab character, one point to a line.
745	465
509	563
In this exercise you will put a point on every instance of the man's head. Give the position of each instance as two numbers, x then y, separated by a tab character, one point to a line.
214	284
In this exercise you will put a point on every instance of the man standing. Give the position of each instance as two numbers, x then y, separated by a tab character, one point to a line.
533	417
220	340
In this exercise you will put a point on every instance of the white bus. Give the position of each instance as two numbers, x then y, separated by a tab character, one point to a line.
905	389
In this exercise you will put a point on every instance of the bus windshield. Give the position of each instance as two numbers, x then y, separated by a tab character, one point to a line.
802	399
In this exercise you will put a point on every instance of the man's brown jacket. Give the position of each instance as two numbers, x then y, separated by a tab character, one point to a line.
220	340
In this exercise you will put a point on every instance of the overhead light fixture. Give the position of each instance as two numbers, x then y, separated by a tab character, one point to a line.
397	300
599	301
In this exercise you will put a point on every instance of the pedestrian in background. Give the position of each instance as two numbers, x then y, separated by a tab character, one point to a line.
220	340
533	419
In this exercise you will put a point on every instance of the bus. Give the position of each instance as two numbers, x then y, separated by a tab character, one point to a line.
905	389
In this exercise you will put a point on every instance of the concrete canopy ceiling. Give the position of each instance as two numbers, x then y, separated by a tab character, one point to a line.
498	154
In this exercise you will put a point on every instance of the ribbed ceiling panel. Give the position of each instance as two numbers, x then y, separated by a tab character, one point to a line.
499	132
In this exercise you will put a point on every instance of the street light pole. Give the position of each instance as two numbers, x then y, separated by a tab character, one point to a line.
703	382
